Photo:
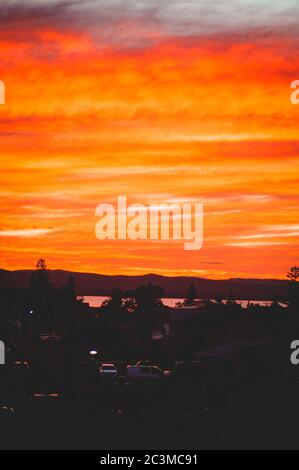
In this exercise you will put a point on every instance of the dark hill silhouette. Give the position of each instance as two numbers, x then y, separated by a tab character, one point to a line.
100	284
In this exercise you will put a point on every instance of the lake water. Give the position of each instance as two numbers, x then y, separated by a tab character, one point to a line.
97	300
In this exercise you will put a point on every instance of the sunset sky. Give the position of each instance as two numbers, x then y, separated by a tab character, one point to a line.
161	101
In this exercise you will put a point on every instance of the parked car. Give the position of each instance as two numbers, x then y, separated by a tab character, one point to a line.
108	369
145	362
45	392
144	372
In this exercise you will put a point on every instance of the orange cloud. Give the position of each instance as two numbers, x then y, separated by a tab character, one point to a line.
203	118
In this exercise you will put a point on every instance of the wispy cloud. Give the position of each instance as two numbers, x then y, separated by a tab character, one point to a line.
137	23
269	235
254	244
33	232
282	227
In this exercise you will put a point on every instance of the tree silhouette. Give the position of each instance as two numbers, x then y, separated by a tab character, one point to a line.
231	298
67	307
149	307
40	279
219	299
42	292
41	265
191	295
114	308
293	287
70	289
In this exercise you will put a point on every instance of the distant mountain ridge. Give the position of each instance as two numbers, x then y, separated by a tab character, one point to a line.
101	284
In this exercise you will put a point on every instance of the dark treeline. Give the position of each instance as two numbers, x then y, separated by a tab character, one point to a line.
136	323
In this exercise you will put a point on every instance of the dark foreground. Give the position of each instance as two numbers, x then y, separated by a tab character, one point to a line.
201	406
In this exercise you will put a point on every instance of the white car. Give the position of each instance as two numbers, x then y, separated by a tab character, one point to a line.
144	372
108	369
